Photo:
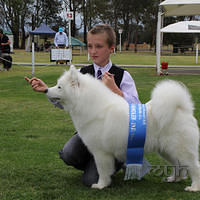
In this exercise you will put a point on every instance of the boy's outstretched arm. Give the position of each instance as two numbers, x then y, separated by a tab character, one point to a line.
37	84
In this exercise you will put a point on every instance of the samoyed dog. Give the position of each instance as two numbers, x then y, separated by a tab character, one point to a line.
101	118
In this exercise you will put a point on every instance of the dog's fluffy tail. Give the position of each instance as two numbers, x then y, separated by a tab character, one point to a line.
167	97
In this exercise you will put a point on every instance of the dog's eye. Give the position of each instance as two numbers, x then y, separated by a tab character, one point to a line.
59	87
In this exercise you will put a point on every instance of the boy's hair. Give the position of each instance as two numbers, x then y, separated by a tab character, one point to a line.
104	28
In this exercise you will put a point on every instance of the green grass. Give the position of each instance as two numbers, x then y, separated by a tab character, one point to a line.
32	131
129	58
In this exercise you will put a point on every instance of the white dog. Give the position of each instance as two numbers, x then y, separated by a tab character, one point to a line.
101	119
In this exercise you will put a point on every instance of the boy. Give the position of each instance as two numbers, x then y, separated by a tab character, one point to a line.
101	43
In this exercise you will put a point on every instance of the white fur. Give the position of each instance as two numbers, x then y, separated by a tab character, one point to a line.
101	119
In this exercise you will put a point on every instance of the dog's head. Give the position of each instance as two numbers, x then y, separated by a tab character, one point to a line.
66	89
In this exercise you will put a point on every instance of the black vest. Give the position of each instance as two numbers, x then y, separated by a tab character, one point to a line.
118	72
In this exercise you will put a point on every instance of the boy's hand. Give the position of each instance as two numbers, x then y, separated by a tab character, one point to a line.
109	81
37	84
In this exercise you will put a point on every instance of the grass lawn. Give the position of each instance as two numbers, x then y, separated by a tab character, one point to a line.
129	58
32	131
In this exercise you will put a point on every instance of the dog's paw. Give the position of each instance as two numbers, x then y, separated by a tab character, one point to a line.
97	186
171	179
192	189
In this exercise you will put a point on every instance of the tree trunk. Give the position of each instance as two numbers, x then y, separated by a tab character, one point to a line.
23	38
126	29
136	39
84	21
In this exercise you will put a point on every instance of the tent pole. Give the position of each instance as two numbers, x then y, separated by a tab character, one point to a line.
70	38
33	59
28	43
161	34
197	49
158	41
197	52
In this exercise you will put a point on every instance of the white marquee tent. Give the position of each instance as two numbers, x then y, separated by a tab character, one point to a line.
181	7
173	8
184	27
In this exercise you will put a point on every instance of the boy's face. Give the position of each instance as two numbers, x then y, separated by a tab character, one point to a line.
98	48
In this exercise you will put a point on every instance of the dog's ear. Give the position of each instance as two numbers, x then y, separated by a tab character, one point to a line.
74	76
72	67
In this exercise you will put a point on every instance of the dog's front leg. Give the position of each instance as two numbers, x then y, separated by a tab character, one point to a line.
105	167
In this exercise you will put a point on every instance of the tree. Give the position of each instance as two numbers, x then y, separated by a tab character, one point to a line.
125	14
94	12
24	14
1	17
45	11
14	12
104	11
74	6
19	14
150	22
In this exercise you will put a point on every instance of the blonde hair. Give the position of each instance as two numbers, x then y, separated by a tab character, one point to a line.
104	28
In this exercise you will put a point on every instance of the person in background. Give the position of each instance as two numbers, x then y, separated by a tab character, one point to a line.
61	39
4	43
101	43
5	51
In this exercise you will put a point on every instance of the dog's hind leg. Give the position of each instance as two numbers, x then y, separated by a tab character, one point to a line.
188	160
105	165
189	157
194	172
178	172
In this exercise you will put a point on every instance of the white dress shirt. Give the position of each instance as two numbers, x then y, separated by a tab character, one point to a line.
127	85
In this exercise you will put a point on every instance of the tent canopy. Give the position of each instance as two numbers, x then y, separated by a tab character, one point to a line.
183	27
43	30
181	7
76	42
174	8
7	32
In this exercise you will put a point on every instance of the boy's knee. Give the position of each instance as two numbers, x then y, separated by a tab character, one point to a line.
66	156
89	180
69	151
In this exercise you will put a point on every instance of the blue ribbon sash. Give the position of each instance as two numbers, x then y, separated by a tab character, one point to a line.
136	165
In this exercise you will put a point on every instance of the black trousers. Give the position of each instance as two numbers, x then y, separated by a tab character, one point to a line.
76	154
62	46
